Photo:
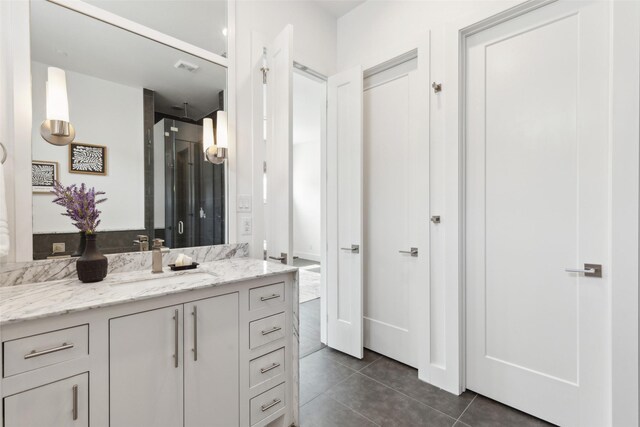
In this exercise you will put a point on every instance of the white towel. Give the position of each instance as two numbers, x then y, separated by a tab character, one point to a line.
4	219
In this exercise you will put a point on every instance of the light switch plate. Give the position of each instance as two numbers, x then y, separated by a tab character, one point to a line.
58	248
244	203
245	225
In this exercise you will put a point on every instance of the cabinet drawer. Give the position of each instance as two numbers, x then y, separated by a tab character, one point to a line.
267	403
266	330
266	296
266	367
37	351
62	403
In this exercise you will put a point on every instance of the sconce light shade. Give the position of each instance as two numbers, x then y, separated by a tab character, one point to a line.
56	128
215	152
222	140
207	134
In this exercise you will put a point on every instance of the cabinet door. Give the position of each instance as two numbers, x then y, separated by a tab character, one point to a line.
146	369
211	362
63	403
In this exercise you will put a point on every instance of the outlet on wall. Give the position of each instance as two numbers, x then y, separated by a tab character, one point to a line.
58	248
245	225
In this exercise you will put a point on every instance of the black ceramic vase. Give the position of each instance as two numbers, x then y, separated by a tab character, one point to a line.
83	244
92	265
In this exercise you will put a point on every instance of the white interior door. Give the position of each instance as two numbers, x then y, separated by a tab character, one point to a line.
536	204
344	212
279	210
396	201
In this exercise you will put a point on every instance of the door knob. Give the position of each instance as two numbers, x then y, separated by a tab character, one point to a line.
354	249
589	270
413	252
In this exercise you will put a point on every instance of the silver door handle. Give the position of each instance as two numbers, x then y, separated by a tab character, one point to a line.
413	252
34	353
274	296
589	270
270	405
180	227
354	249
272	330
75	401
282	258
265	370
176	343
195	333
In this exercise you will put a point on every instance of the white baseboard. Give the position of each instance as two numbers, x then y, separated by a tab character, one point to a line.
309	256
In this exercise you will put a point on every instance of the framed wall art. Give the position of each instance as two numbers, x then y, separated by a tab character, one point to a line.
43	175
87	159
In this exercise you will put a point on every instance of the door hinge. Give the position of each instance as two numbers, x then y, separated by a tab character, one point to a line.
264	67
437	87
264	167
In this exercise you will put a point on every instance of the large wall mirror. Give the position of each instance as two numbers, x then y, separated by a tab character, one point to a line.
137	107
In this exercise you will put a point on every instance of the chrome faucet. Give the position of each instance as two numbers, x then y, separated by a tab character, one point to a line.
156	255
142	242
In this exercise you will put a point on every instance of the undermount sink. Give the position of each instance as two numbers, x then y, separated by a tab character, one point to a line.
146	276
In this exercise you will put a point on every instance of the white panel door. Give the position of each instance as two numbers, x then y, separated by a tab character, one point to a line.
279	209
211	382
344	212
537	204
396	206
61	404
146	369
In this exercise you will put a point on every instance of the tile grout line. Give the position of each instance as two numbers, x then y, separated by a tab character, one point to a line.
357	370
351	409
465	409
406	395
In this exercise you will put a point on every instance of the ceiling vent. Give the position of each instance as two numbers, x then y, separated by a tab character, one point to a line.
187	66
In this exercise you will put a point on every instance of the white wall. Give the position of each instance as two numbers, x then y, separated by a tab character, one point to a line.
103	113
314	45
308	102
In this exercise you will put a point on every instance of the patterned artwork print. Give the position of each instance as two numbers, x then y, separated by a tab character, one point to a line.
87	159
42	175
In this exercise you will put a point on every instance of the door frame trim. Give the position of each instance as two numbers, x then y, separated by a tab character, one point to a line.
624	188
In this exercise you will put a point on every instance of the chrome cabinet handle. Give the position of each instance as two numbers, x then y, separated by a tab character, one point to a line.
589	270
355	249
75	401
272	330
34	353
413	252
176	325
265	370
195	333
274	296
180	227
270	405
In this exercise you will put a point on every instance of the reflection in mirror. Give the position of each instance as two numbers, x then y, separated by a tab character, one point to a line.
137	107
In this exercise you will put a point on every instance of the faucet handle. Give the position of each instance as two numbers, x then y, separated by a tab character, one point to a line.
157	243
142	238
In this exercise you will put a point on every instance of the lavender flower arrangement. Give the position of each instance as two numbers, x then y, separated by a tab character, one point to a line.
80	204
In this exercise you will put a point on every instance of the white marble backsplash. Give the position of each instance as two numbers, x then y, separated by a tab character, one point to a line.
56	269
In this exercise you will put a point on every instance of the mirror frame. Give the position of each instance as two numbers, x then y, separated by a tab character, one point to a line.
20	65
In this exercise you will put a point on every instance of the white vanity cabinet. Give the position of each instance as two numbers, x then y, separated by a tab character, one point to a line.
192	354
156	380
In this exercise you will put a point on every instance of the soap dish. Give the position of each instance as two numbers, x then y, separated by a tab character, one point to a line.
183	267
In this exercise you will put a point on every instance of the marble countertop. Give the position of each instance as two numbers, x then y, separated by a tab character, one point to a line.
39	300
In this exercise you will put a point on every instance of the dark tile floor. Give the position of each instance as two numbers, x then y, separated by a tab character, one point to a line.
337	390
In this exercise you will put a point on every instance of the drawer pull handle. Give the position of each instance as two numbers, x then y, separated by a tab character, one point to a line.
274	296
270	405
75	402
272	330
35	353
265	370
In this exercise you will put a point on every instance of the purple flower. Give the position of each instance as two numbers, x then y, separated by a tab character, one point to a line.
80	204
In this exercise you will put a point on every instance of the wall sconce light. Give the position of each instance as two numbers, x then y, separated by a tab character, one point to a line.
215	151
56	129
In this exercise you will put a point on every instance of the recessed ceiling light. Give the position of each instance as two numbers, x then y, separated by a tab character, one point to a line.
184	65
224	31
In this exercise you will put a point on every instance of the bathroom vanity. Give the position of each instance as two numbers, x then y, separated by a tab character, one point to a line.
215	346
